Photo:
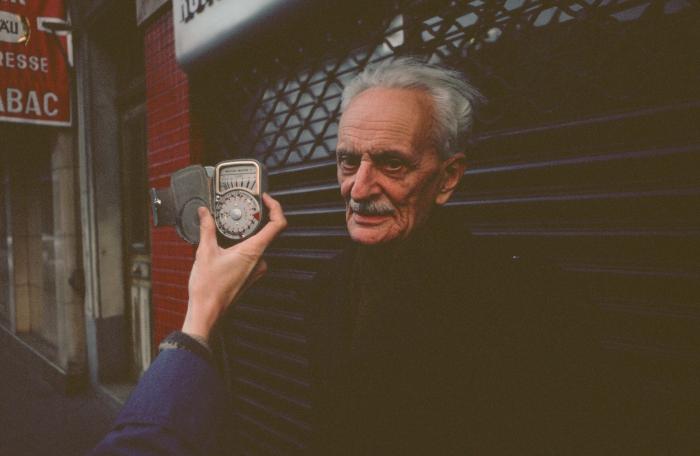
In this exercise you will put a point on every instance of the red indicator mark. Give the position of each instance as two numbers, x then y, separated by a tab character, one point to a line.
257	216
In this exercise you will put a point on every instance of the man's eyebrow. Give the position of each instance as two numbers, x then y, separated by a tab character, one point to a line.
379	157
340	152
381	154
384	156
390	153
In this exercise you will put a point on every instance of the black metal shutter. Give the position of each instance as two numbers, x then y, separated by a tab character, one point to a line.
587	153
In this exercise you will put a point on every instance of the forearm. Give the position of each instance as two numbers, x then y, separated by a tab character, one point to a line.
180	404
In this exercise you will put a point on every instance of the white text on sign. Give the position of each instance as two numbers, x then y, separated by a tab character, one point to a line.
14	101
24	62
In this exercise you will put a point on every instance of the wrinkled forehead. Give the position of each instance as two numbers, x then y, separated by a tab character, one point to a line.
386	118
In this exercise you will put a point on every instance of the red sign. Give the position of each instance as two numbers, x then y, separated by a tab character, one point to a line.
35	54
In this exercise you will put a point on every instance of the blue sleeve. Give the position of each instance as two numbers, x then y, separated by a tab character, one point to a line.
178	408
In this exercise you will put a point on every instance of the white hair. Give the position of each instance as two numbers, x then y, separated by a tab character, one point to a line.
453	96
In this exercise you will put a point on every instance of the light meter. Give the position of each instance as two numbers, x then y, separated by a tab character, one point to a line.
238	206
232	191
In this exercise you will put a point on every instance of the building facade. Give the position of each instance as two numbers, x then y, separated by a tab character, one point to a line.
75	241
40	265
586	155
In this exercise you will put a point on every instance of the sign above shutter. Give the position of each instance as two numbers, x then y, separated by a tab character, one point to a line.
205	28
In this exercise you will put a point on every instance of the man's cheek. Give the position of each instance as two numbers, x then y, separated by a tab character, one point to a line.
345	189
406	220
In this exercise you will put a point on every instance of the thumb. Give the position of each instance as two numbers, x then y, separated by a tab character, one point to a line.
207	230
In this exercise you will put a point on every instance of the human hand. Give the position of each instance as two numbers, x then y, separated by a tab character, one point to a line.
220	275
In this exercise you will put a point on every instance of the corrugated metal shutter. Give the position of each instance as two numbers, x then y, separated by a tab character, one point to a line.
587	154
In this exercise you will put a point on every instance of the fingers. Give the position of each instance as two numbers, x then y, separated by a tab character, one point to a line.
276	214
207	230
275	225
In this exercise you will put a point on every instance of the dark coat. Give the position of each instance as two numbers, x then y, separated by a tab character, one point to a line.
465	350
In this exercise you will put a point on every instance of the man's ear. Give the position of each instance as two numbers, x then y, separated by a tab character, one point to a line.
452	171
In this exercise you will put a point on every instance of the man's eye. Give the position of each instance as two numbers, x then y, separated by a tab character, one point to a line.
393	164
348	162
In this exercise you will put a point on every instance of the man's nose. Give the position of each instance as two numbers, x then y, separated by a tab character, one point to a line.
365	184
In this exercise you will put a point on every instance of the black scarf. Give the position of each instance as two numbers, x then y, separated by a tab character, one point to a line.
398	305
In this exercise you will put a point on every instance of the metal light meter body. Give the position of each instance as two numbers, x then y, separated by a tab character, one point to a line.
232	191
238	207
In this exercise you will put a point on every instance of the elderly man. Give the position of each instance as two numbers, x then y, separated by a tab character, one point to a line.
422	341
401	147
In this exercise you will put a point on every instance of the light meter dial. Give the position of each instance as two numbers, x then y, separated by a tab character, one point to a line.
238	214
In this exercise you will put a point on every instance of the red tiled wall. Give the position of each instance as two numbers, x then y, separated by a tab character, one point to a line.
170	147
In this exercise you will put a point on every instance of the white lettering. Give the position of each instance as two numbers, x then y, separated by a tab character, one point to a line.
24	61
32	104
14	100
50	112
35	104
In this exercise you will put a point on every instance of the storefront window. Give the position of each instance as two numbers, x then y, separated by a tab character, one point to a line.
27	238
46	327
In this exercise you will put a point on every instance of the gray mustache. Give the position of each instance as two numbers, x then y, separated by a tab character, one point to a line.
371	207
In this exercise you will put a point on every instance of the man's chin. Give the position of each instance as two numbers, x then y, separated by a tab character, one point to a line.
369	235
